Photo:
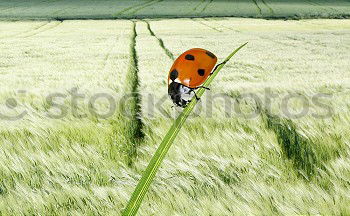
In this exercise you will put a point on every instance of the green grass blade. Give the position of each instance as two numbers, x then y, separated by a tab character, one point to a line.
151	170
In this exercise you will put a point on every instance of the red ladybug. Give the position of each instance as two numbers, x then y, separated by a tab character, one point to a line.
188	73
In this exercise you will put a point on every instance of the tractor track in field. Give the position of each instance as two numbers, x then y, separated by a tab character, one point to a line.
130	110
307	160
316	24
295	147
222	26
160	41
237	31
14	7
268	7
29	30
40	30
135	8
202	23
275	41
305	41
144	6
33	31
132	7
324	8
58	12
8	8
199	4
193	11
205	7
257	6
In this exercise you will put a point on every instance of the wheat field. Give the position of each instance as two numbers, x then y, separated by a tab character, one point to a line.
126	9
84	105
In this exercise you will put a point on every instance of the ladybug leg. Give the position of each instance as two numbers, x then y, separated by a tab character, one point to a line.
217	67
202	87
198	98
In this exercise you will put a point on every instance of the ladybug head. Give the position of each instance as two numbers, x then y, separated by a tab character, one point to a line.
178	93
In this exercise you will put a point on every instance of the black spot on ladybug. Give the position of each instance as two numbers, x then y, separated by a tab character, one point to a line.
210	54
189	57
174	74
201	72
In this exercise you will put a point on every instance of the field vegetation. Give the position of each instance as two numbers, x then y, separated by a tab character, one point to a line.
224	161
108	9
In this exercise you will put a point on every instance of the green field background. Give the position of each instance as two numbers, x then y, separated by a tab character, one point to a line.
82	164
108	9
223	162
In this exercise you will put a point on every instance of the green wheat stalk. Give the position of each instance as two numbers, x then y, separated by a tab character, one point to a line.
151	170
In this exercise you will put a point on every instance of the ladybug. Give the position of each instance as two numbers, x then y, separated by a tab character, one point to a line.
188	73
